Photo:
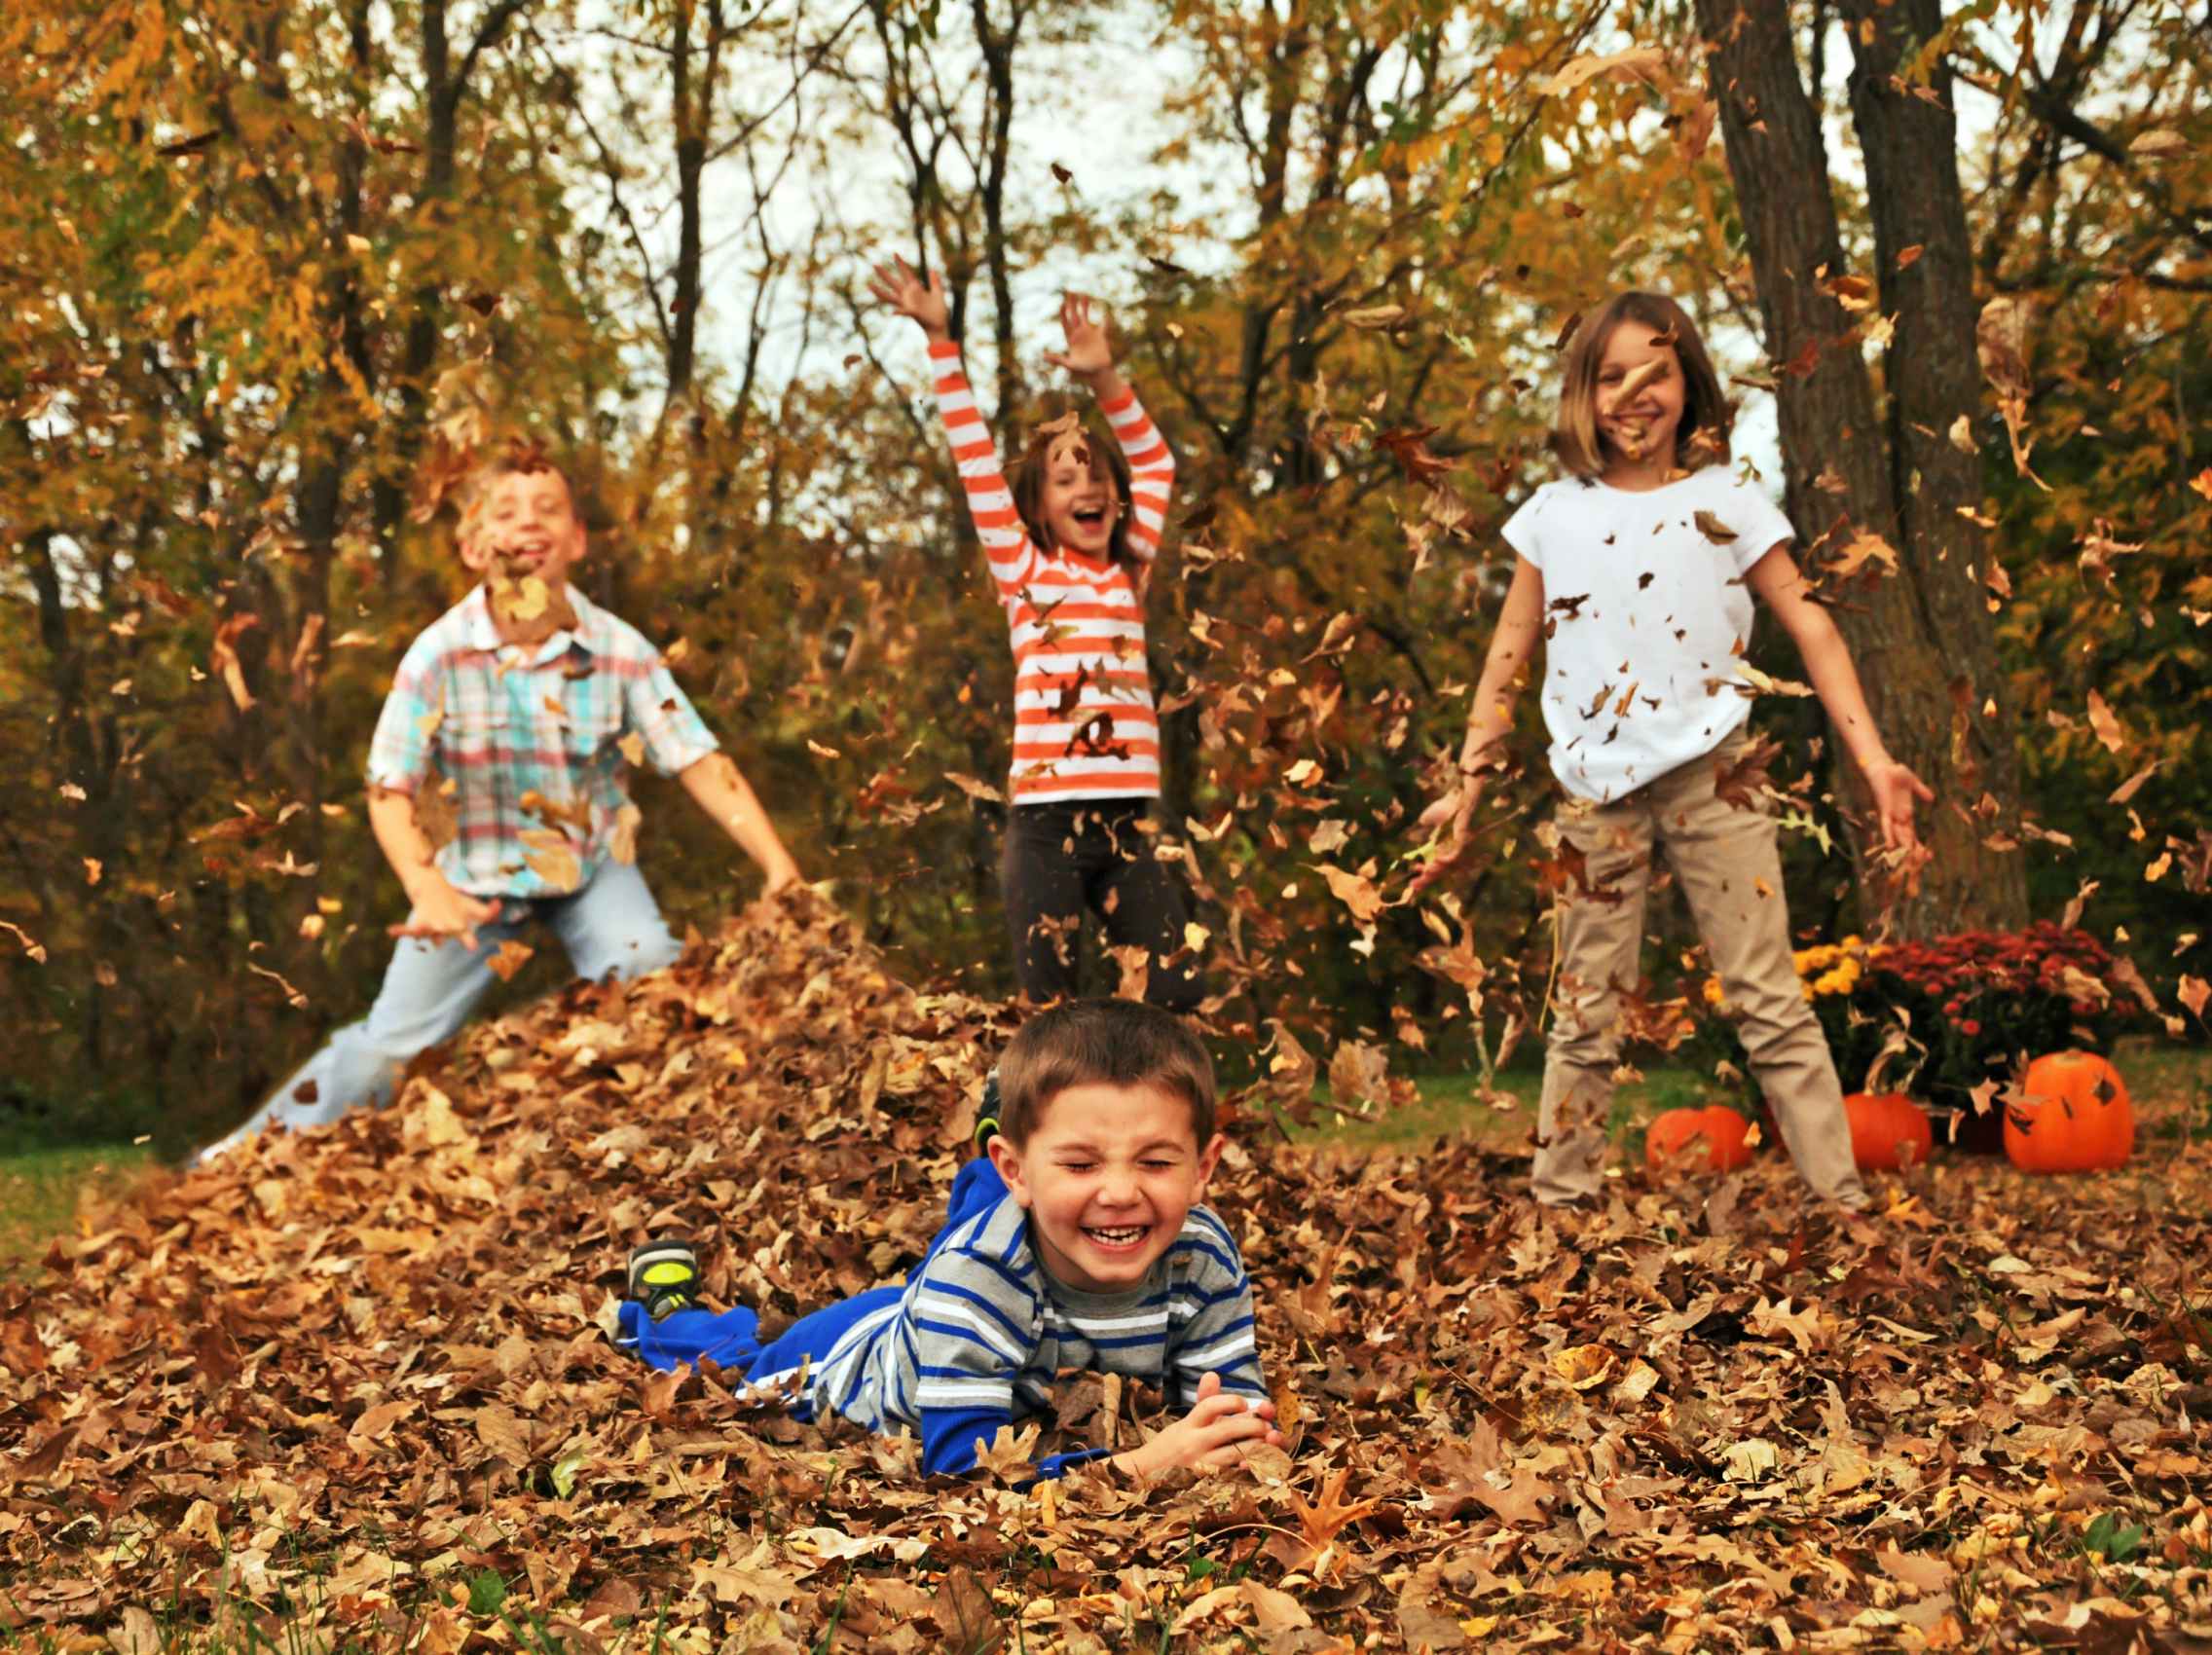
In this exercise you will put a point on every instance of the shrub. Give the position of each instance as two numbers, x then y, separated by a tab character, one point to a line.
1941	1018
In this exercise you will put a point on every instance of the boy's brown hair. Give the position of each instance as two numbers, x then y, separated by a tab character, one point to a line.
514	456
1701	439
1028	480
1113	1043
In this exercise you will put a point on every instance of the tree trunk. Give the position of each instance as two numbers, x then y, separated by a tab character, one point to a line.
1841	479
1930	375
998	49
692	110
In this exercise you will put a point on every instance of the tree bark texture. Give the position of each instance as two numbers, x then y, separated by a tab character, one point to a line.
1909	138
1842	479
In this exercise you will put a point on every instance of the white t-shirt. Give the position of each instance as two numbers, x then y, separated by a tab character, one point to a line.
1646	618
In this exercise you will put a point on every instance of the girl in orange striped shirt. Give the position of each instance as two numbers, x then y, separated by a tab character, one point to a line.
1070	545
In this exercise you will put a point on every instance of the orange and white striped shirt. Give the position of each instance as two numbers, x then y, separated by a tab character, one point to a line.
1084	721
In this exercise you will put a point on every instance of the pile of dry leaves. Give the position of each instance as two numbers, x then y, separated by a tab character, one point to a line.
356	1386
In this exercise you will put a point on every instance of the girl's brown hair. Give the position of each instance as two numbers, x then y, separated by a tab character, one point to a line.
1701	439
1029	482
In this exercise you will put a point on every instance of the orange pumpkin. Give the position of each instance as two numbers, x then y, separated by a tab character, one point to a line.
1888	1131
1715	1137
2072	1116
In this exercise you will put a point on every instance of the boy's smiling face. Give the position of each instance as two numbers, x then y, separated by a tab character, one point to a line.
525	525
1107	1176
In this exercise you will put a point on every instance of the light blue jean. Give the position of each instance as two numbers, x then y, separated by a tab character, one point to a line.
611	927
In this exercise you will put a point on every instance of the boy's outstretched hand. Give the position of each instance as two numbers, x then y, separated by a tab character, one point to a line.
1220	1426
438	910
908	293
1090	352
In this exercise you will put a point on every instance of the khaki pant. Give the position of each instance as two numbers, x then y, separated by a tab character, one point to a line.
1724	856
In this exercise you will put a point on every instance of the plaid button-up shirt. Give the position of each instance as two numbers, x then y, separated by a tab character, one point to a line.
532	745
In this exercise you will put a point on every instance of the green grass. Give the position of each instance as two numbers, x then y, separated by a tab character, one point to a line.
2169	1086
40	1190
1452	1106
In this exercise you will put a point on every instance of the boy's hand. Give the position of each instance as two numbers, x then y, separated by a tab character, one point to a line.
898	287
1090	352
1895	787
440	912
1220	1426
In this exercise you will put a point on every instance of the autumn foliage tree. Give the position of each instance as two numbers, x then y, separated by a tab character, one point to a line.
270	272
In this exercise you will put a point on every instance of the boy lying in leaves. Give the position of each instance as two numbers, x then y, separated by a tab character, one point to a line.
1074	1242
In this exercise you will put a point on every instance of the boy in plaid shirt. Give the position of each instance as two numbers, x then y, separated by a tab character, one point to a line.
532	703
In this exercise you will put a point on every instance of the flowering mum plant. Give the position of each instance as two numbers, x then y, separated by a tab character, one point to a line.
1944	1018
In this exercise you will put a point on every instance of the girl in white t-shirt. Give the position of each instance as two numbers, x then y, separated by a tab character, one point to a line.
1639	569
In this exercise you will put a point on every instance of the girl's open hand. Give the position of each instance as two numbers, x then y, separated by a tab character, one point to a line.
1895	788
1454	811
1220	1426
1088	352
896	284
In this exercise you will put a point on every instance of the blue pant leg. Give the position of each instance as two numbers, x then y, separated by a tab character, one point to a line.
809	1341
612	926
730	1340
429	989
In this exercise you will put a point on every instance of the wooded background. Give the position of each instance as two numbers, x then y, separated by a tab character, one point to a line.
265	267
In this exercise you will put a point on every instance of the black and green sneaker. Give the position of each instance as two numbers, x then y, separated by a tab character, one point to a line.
664	1276
987	1124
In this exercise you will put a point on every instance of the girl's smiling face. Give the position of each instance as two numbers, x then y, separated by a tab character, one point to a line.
1640	395
1079	505
1107	1176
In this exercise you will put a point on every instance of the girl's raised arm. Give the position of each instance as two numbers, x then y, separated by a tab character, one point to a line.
1089	357
990	502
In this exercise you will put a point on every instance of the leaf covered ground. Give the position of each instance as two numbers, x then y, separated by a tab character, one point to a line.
356	1387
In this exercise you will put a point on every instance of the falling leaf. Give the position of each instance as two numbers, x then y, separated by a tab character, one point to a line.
1713	528
224	657
1377	318
1356	891
292	996
92	870
34	949
1696	129
1752	681
1638	63
1863	548
2106	726
2160	143
974	789
509	958
1410	448
2128	789
2001	341
2191	992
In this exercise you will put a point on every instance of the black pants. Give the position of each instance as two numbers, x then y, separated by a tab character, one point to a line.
1061	858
